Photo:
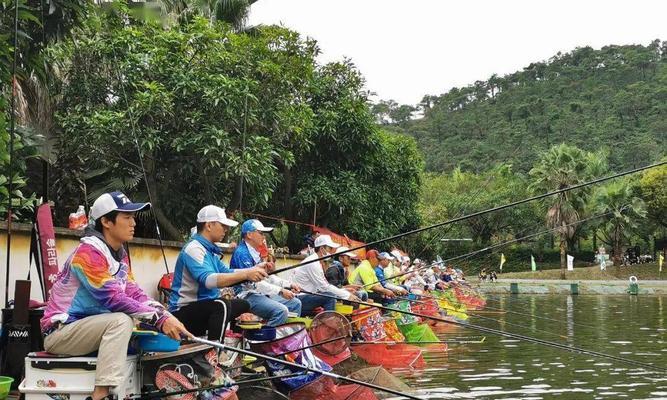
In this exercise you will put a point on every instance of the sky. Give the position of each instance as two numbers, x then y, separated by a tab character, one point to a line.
407	49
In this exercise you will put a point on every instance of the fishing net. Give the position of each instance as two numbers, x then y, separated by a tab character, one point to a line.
403	318
399	355
330	325
469	297
324	388
390	328
417	332
368	325
174	377
428	307
289	345
381	377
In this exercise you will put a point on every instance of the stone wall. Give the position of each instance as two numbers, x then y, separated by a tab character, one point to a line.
146	258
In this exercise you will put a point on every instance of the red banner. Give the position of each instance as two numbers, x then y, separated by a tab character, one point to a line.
47	246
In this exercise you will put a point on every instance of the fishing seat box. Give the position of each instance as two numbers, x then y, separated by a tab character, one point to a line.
53	377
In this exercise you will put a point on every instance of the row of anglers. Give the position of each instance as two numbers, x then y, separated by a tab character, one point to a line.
95	305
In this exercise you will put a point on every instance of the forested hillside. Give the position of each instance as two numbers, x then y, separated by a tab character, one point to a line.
612	99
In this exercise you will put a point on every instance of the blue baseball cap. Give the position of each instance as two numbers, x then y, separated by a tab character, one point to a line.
253	225
115	201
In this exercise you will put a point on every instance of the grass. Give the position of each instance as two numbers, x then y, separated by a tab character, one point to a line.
641	271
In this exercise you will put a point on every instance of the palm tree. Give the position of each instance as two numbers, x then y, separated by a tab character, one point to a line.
233	12
618	199
559	167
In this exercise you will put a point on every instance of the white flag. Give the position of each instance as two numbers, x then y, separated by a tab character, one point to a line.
570	263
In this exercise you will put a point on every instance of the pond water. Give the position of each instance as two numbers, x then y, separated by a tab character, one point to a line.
633	327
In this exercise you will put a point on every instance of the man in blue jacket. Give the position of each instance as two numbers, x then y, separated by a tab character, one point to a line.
272	298
199	275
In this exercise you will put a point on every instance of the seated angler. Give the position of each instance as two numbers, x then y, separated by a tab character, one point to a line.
200	273
384	262
310	276
271	298
364	276
95	299
339	270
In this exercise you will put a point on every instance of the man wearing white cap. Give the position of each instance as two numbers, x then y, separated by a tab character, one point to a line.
199	275
384	262
339	270
95	299
310	277
272	298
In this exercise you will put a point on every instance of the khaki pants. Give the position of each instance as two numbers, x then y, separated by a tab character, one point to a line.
109	334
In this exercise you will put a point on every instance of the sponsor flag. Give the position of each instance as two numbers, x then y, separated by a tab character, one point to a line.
502	260
570	263
533	266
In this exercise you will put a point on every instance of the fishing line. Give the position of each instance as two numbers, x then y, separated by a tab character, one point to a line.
483	212
510	335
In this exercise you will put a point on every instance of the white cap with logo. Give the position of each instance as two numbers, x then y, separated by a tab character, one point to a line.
325	240
213	213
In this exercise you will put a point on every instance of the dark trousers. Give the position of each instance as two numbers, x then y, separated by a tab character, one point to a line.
376	297
206	316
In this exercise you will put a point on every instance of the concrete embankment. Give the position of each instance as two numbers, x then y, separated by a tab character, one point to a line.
584	287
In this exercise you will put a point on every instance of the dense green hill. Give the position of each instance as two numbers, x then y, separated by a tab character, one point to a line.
612	99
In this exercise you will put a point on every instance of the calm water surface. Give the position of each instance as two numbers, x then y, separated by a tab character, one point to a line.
626	326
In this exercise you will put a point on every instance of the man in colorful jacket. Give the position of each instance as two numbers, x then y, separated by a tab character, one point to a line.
95	299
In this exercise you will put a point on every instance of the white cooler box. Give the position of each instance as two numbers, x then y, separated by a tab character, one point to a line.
51	377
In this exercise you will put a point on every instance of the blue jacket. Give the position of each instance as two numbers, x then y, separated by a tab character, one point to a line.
194	276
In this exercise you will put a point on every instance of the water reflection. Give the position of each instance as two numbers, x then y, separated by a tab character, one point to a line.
626	326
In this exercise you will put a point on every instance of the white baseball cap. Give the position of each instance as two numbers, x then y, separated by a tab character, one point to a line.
345	251
213	213
325	240
115	201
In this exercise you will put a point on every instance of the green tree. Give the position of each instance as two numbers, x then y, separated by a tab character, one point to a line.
653	189
626	209
560	167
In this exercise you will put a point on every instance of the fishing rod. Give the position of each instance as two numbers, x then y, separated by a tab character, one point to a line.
424	342
483	212
543	318
10	168
473	195
304	368
480	328
158	394
495	246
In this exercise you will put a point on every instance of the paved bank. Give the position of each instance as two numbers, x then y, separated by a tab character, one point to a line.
552	286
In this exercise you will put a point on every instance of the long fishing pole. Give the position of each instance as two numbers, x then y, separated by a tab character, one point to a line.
304	368
495	246
12	132
158	394
483	212
510	335
141	160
